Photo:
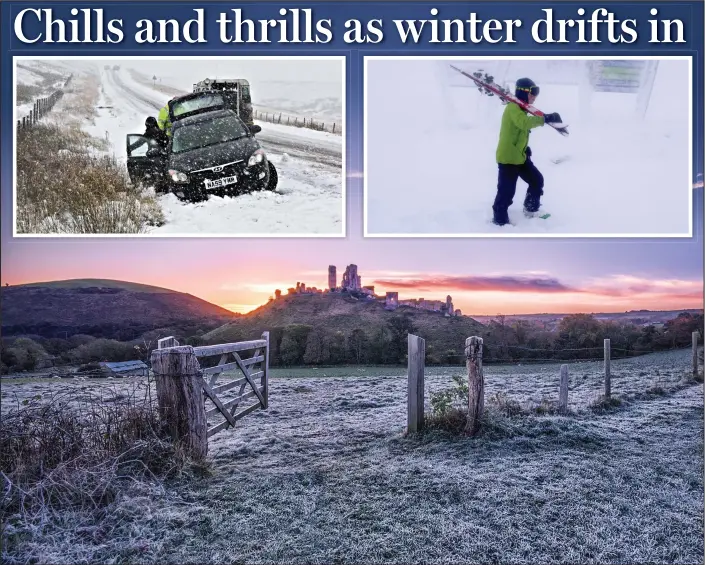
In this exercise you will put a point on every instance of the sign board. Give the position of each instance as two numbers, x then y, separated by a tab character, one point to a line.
617	76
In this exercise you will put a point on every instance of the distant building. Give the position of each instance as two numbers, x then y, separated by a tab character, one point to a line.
351	280
391	301
125	369
332	278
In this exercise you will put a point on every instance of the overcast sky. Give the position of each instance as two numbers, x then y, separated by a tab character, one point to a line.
187	71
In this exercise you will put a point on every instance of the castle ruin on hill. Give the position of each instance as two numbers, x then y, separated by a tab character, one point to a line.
351	283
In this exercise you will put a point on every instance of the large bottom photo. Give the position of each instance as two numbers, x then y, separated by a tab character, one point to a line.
542	404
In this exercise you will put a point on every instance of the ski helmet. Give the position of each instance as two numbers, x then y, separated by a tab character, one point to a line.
524	87
150	122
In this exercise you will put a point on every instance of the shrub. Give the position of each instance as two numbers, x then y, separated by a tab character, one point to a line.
65	186
103	350
67	464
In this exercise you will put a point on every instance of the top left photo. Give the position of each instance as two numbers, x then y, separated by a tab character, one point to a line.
179	146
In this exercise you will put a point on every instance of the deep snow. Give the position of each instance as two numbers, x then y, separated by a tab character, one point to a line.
617	173
308	199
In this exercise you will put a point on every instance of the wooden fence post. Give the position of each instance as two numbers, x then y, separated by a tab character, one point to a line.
563	392
265	370
416	364
476	384
608	374
695	338
180	397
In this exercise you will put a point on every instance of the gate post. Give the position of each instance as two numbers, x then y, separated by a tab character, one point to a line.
180	397
476	384
416	360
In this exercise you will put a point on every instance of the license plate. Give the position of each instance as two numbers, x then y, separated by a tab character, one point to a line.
217	183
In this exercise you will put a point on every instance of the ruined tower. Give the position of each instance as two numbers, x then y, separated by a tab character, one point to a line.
332	278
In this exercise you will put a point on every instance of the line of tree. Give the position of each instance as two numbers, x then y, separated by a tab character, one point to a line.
578	336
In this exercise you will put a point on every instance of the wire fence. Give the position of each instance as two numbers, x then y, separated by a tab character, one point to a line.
42	107
289	120
498	354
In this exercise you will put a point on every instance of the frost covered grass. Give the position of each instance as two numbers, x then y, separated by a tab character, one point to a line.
328	475
65	185
70	465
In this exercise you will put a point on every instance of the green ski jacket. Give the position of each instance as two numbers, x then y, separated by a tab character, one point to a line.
514	134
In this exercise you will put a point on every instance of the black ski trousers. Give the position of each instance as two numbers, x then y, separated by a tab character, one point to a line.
507	186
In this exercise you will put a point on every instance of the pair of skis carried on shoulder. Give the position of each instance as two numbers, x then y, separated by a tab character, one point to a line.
485	84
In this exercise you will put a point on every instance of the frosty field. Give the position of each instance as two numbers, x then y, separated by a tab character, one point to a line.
617	173
326	475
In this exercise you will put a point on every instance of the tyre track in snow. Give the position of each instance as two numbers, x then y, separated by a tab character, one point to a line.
293	146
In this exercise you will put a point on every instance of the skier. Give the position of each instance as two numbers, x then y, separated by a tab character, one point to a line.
514	155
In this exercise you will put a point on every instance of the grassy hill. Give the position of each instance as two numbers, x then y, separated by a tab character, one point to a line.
331	315
105	308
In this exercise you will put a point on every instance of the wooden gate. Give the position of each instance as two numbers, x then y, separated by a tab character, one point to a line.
223	397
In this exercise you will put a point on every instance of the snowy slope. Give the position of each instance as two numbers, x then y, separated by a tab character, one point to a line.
308	199
617	174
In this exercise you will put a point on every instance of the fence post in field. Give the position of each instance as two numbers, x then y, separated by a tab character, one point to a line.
265	370
476	384
416	364
695	337
563	392
180	397
608	374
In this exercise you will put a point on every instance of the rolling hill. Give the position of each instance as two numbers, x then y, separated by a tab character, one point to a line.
105	308
343	313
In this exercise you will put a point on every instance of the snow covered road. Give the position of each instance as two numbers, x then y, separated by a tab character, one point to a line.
308	199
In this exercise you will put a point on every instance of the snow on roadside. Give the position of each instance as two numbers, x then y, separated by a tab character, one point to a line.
308	199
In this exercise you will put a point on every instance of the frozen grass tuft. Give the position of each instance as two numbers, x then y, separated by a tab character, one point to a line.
64	185
73	467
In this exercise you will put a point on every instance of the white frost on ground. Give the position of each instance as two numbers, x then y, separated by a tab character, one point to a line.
620	174
326	474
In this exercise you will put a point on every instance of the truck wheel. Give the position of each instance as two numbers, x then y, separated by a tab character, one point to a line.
273	177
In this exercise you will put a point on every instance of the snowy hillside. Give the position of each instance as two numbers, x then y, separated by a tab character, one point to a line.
617	173
308	199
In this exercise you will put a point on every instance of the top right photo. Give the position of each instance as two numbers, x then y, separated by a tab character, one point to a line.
528	147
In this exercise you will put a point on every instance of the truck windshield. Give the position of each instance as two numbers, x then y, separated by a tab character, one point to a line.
203	134
206	100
